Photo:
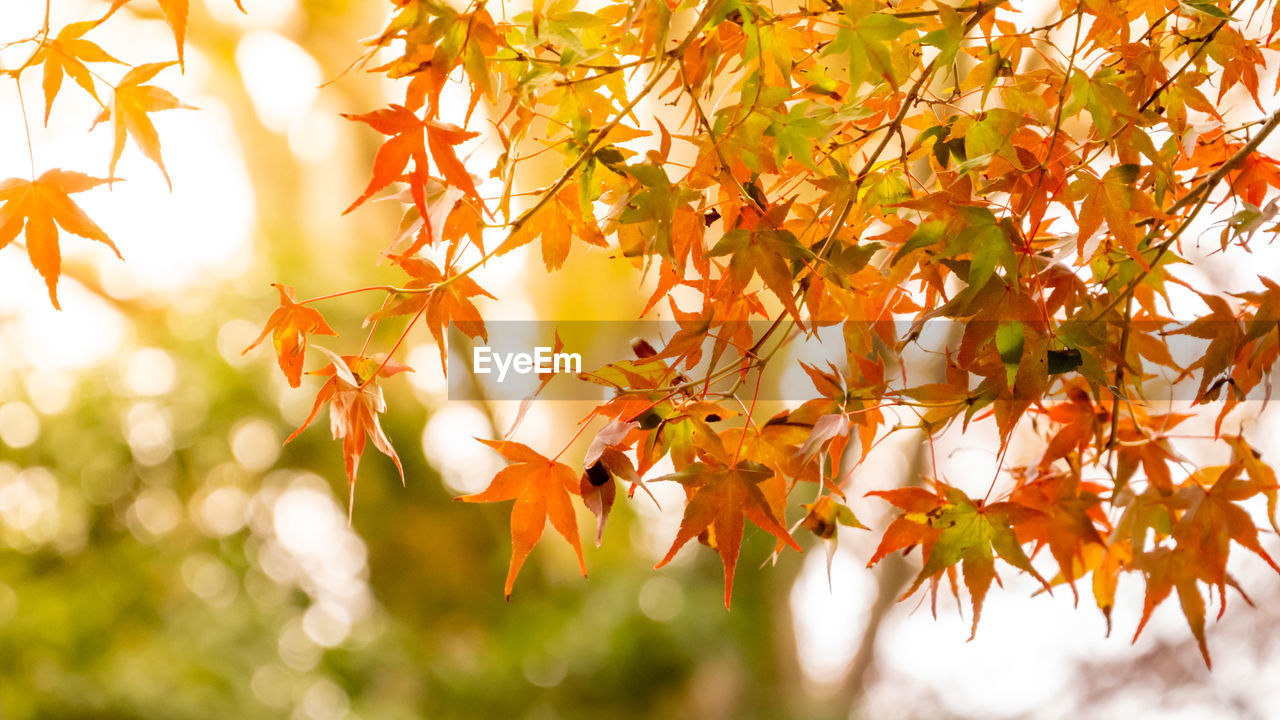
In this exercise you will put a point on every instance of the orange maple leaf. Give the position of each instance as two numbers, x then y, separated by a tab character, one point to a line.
1204	534
355	401
541	488
719	499
128	112
1165	571
410	139
556	223
289	325
448	303
1117	199
911	528
66	54
1068	521
764	252
41	203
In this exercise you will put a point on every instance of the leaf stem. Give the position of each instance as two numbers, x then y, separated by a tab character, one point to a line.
391	353
581	427
26	125
374	327
390	289
742	439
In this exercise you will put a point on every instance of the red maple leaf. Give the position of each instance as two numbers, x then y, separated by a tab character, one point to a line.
719	499
541	488
410	139
289	325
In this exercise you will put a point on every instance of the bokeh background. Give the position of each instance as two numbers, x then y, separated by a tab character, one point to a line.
163	556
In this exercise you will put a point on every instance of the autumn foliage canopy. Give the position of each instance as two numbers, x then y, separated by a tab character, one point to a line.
1033	178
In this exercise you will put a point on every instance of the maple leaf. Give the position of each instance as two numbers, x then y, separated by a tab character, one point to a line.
464	220
954	529
67	54
871	41
830	433
444	300
911	527
555	223
410	138
1106	563
652	207
1213	520
1224	332
128	113
1108	104
681	431
355	401
775	444
541	488
763	252
686	343
289	325
1239	57
1203	518
1116	199
40	204
1164	571
795	133
1262	476
1066	524
720	497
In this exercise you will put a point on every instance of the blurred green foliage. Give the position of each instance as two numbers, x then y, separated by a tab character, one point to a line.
132	602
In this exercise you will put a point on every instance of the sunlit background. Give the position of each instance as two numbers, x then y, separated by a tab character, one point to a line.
162	555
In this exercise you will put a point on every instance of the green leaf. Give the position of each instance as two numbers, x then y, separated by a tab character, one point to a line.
1108	103
928	233
973	536
609	155
1206	8
730	243
1009	340
794	135
850	259
992	135
656	202
871	43
987	243
845	517
947	38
